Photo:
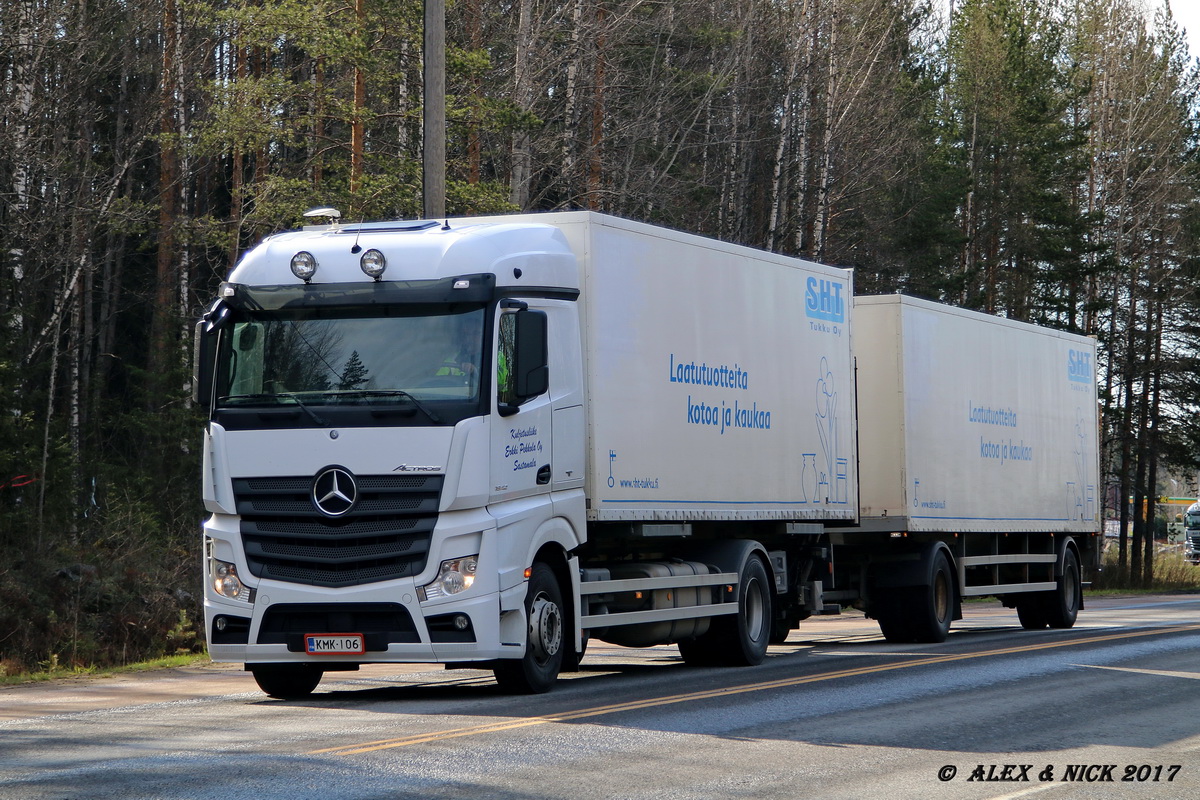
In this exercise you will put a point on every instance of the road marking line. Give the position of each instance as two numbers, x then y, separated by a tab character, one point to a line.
652	702
1168	673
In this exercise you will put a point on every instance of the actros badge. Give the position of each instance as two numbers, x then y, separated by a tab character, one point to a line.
334	491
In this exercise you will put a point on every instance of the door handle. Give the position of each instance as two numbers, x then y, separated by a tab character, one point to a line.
543	474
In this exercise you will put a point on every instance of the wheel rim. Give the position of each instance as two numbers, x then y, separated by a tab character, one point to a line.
1070	589
545	628
941	597
755	610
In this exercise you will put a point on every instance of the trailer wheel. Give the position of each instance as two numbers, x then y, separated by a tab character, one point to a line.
1062	605
738	640
286	681
933	606
892	612
1032	613
538	669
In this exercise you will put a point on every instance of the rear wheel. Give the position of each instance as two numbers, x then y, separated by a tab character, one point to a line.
1032	613
538	669
1062	605
892	611
1057	608
738	639
933	605
703	651
753	620
780	630
286	681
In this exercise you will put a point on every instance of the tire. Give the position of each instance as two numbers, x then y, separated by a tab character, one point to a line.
1062	605
537	670
286	681
741	639
571	659
932	606
1032	613
892	614
703	651
780	629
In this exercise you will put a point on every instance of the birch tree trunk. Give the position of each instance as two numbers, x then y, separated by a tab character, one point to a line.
796	45
522	156
595	174
357	131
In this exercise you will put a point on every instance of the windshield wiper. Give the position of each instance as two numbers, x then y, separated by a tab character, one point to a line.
271	396
392	393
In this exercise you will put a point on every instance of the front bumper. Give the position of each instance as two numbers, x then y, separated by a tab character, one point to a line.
397	626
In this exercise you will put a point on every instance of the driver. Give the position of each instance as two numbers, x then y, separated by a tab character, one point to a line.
464	361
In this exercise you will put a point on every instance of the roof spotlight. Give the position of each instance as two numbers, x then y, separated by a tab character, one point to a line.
373	263
304	265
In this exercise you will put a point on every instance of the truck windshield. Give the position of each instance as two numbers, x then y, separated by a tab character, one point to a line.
1192	521
342	357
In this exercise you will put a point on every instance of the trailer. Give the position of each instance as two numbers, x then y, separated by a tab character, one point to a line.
983	461
483	442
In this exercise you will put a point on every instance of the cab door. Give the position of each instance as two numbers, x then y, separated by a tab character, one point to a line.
521	434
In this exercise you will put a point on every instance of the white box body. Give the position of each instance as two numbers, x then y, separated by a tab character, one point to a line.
719	378
973	423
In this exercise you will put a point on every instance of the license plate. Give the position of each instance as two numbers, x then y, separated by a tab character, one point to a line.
318	644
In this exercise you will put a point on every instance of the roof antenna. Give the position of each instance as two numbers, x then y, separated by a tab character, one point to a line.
446	225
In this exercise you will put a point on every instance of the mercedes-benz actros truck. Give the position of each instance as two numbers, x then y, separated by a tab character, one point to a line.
483	442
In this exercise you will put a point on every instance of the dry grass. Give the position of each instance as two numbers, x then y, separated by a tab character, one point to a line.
1171	572
51	669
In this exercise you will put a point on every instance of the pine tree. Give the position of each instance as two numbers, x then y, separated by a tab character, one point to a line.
354	374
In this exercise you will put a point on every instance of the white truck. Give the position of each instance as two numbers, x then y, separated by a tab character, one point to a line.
1191	534
481	442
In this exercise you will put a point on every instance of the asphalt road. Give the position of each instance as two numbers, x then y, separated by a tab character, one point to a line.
1107	709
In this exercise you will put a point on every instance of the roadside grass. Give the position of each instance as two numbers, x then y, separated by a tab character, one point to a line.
51	669
1172	573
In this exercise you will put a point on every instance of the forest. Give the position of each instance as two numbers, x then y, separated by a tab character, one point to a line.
1035	159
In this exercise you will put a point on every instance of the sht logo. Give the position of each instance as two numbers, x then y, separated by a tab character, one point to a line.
1079	366
823	299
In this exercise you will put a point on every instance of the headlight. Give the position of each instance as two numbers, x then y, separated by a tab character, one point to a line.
454	576
225	582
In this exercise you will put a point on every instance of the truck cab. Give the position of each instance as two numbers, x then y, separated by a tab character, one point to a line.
382	460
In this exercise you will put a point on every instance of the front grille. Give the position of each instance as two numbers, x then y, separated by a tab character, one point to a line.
385	536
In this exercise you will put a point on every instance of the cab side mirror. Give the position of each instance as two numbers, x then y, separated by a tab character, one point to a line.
203	358
524	370
532	368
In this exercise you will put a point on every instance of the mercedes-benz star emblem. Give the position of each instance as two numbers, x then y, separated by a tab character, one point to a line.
334	491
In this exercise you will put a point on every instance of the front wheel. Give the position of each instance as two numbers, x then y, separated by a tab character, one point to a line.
538	669
286	681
